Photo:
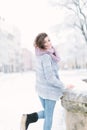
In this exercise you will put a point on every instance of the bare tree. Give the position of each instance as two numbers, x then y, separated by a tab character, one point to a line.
77	8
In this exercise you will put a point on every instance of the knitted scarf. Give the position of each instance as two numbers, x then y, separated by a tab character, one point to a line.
52	52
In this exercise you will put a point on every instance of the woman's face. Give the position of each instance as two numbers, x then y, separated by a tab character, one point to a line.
47	43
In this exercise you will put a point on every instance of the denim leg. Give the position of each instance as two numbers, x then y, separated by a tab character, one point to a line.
49	109
41	113
47	113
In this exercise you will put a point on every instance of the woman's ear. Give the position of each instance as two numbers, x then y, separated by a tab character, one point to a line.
35	45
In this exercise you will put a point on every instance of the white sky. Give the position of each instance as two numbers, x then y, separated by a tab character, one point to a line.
30	16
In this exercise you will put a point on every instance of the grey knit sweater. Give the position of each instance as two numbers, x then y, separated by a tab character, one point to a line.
48	84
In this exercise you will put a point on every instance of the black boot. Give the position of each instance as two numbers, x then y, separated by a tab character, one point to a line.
27	119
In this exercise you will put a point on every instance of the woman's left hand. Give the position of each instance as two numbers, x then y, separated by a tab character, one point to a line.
70	86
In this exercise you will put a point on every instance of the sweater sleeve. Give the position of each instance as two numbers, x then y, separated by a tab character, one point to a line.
49	74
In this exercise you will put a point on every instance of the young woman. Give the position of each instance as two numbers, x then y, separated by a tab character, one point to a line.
48	85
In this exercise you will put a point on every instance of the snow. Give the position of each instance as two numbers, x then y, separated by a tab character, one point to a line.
18	96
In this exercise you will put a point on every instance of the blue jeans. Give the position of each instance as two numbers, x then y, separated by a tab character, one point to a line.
47	113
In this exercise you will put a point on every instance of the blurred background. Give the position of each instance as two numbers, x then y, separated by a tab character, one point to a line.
65	22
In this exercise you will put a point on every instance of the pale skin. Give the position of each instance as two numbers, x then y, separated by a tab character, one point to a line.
47	43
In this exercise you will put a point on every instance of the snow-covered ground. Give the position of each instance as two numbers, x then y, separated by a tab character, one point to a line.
18	96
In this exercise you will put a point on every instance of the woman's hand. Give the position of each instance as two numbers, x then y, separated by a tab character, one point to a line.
70	86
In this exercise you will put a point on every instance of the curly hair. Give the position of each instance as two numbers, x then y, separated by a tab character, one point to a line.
39	40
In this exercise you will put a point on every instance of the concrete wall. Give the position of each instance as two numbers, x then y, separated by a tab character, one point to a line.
75	103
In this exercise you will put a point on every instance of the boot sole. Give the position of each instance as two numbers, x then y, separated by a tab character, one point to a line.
23	122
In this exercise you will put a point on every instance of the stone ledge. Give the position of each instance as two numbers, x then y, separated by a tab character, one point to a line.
75	100
75	103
